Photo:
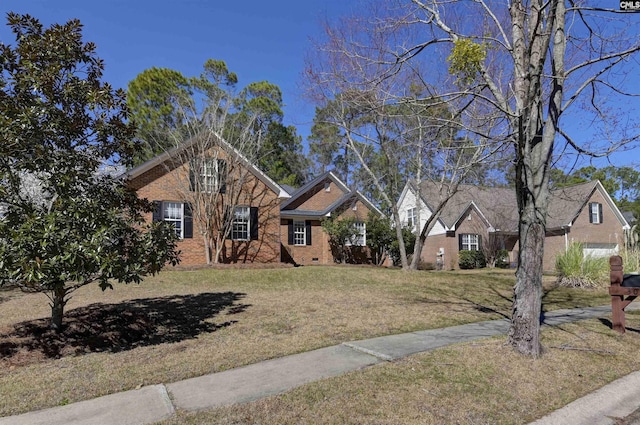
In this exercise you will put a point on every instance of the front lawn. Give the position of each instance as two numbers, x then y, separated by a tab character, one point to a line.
182	324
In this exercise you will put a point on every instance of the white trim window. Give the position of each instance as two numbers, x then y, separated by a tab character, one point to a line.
595	212
178	214
412	216
173	212
240	225
299	232
209	175
359	237
469	242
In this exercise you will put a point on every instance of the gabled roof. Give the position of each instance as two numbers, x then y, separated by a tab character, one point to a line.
348	196
499	207
567	202
171	154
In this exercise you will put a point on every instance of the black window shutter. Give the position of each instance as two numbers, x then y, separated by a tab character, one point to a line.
590	212
222	175
157	211
290	231
253	222
460	242
307	230
188	221
479	242
600	213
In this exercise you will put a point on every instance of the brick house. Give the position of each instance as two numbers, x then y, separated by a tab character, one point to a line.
479	218
246	204
304	241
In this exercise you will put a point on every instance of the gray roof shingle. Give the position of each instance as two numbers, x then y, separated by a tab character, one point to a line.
500	207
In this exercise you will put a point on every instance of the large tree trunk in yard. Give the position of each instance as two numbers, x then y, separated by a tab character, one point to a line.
524	334
58	302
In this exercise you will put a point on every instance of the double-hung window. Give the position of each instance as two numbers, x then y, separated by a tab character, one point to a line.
595	212
176	213
244	223
173	213
240	225
299	232
469	242
208	175
411	218
359	236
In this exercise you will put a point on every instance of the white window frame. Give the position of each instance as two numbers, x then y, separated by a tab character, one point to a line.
412	216
299	232
470	242
359	237
173	212
241	224
209	175
594	212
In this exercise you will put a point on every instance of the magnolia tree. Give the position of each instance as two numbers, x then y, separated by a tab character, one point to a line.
526	74
65	222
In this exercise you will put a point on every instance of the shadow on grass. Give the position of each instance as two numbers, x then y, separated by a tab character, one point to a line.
120	327
608	324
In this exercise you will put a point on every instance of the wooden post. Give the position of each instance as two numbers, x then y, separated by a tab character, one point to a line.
617	310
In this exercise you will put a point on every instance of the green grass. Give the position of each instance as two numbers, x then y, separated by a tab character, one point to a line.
192	323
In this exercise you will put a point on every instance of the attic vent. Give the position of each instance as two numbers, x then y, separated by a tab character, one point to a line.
327	187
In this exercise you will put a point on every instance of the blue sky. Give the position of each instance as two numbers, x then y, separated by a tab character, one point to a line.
259	40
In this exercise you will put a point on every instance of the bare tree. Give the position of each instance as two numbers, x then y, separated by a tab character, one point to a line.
511	74
396	123
211	165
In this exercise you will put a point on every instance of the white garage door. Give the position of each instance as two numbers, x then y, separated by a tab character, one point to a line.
597	250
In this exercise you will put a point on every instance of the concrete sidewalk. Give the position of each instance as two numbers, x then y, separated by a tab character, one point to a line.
158	402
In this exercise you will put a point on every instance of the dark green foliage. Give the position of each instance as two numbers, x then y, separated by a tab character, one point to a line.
380	236
282	157
67	222
170	108
154	98
502	259
409	242
340	232
471	259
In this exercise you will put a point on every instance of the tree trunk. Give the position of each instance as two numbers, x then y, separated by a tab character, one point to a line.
207	248
58	302
399	237
417	252
524	333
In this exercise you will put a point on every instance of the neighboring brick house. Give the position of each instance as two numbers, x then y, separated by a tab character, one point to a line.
479	218
303	238
252	201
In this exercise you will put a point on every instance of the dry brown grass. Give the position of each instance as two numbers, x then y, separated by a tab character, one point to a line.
182	324
473	383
